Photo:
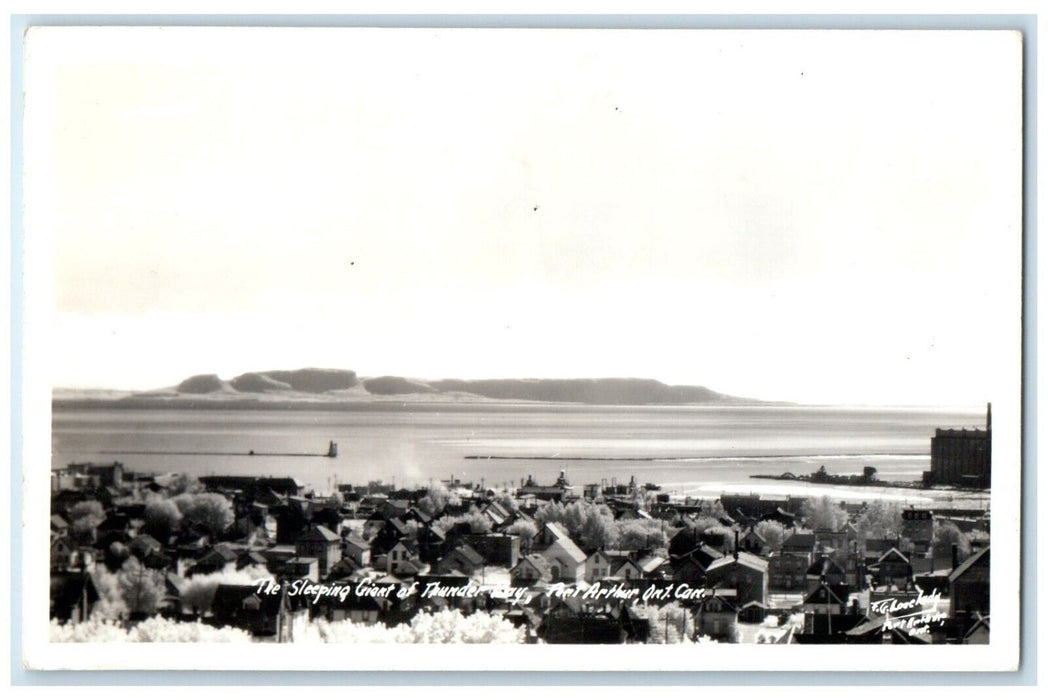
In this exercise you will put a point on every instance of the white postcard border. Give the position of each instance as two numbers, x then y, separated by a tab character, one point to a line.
39	352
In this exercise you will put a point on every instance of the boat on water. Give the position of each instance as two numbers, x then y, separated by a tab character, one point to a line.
331	452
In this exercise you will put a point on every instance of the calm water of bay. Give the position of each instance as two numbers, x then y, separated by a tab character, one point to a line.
694	450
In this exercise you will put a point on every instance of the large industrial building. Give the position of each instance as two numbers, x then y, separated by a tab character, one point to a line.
961	457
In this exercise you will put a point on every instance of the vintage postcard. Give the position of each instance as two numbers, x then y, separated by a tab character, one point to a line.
522	349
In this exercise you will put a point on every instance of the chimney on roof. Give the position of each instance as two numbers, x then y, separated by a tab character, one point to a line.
955	556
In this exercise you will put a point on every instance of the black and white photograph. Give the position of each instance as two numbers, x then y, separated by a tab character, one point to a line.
521	348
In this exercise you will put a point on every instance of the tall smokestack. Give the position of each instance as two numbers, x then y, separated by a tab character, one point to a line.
736	545
987	416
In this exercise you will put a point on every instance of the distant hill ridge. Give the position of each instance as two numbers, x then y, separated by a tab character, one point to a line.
344	384
310	381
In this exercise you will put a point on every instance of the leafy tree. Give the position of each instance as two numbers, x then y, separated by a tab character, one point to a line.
211	511
199	590
141	588
84	519
162	518
179	484
882	519
597	529
445	522
824	514
478	522
524	529
435	501
552	512
944	536
639	533
116	554
978	535
88	509
705	522
155	629
110	605
651	497
95	630
508	502
642	498
590	524
771	532
444	627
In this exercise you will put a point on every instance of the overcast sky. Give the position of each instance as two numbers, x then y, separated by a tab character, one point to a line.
824	217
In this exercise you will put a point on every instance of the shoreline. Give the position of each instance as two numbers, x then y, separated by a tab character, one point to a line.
912	485
704	458
837	492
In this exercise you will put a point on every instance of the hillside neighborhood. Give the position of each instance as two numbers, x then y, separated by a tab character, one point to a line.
618	563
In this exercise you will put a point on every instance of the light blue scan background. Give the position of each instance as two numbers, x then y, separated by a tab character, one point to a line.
1027	674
